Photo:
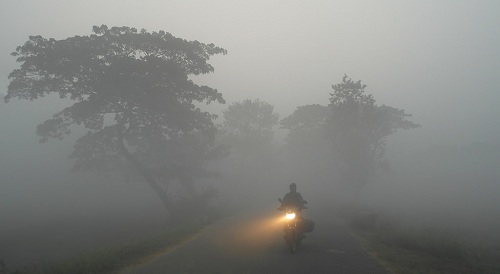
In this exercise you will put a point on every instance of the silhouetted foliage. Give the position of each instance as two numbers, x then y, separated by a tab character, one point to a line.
358	129
249	123
247	129
134	98
306	125
352	128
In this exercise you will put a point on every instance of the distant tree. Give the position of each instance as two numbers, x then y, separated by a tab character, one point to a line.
247	129
349	135
133	97
306	125
249	123
307	154
358	128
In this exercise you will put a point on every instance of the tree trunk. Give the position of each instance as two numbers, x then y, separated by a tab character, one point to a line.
147	175
187	182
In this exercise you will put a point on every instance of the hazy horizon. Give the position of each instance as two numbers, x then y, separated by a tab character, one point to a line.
437	60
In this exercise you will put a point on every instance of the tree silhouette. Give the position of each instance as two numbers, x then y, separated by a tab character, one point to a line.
358	128
132	96
247	130
306	125
249	124
352	129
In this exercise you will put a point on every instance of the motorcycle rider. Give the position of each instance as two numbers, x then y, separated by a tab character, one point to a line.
293	199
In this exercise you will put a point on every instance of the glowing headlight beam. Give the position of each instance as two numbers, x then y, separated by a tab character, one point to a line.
290	216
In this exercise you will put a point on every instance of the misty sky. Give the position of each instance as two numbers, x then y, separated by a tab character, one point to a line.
438	60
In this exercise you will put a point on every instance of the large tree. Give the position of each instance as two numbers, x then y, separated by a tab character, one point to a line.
133	97
352	129
358	128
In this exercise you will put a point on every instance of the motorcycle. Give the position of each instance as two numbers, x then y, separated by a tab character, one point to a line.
293	227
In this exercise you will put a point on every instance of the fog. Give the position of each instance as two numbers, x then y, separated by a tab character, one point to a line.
437	60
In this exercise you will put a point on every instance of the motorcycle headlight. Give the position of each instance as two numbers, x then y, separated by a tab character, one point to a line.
290	216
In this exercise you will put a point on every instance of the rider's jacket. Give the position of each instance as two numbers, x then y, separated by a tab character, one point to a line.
293	199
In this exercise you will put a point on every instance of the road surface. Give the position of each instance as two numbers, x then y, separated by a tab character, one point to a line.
253	243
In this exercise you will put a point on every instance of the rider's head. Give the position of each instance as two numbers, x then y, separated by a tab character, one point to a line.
293	187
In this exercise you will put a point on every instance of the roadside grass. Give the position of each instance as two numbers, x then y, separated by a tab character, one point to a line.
402	249
113	259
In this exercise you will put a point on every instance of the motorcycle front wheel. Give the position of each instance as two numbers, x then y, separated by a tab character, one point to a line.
292	241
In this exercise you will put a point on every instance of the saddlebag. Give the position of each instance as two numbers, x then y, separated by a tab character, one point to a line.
307	225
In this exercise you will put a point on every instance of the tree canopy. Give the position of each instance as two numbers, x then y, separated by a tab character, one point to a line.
305	124
358	128
352	126
132	95
247	129
249	123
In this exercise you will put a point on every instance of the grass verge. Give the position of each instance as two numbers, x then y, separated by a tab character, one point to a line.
402	249
115	258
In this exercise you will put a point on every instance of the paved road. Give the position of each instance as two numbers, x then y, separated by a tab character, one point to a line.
253	243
